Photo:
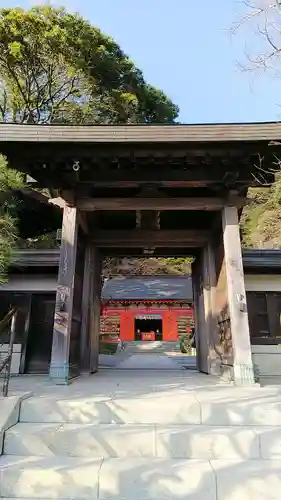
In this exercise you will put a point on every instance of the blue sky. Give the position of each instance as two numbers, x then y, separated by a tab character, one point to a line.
184	47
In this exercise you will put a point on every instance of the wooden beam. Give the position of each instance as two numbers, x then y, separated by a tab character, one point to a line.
159	204
58	202
83	223
143	239
61	203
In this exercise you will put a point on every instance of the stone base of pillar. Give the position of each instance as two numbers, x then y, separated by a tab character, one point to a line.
243	374
215	367
226	373
59	373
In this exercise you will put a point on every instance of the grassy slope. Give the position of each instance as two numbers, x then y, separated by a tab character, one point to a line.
147	267
261	221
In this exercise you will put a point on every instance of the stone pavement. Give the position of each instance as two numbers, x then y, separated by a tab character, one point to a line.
148	356
143	435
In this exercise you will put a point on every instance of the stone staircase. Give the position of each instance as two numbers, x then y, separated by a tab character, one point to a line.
151	347
134	436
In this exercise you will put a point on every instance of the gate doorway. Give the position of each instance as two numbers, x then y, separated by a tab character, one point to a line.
162	191
148	328
39	342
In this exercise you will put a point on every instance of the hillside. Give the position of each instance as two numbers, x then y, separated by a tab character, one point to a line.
146	266
261	220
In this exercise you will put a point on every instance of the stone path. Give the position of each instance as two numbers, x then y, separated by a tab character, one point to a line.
148	362
148	356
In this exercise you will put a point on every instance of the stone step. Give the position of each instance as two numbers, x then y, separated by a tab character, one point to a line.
151	347
117	441
138	479
49	478
220	407
158	409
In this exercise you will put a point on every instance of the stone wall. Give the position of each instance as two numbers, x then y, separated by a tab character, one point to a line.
267	363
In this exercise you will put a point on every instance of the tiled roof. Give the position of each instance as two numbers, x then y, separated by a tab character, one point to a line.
221	132
148	288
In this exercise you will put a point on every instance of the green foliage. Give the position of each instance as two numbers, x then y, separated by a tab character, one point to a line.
106	347
45	241
149	266
9	179
185	344
8	236
260	222
175	265
57	67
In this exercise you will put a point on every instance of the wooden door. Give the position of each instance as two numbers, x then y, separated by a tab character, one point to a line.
40	335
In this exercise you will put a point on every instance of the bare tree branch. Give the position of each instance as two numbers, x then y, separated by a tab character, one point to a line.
265	16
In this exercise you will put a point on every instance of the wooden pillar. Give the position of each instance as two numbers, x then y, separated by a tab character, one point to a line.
27	314
214	336
209	359
206	306
86	303
199	319
60	366
241	345
127	326
203	309
95	304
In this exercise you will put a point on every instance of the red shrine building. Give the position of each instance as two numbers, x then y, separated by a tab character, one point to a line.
150	308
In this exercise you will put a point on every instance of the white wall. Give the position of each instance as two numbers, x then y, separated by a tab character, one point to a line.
266	358
30	283
263	283
267	363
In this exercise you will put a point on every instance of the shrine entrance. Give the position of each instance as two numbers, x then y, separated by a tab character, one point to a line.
148	327
144	190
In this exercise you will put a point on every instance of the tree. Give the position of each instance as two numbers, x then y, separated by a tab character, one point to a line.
57	67
263	18
260	221
9	179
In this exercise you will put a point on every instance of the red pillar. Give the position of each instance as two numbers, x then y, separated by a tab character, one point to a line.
170	327
127	326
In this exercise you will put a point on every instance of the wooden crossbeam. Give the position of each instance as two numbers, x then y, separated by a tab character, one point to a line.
142	239
159	204
61	203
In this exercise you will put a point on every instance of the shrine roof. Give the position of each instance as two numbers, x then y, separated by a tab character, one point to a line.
264	261
268	131
149	288
218	157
